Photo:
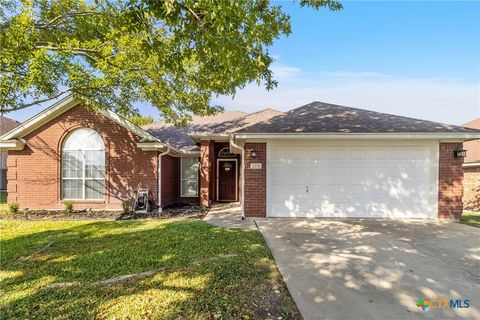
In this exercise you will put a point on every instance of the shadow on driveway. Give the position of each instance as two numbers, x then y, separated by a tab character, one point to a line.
376	269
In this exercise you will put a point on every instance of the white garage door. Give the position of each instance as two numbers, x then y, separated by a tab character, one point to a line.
378	181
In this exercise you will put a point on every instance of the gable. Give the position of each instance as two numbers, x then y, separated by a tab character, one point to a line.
14	139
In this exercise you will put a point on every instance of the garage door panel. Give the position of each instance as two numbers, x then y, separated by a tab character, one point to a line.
385	181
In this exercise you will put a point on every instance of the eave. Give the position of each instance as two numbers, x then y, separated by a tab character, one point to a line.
197	137
12	144
471	164
455	136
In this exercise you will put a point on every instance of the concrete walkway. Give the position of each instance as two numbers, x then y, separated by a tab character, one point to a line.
228	215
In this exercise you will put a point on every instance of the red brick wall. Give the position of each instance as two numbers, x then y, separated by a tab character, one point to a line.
206	176
34	172
256	181
171	192
450	182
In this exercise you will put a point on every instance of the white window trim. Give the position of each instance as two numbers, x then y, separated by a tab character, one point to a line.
82	150
83	178
181	178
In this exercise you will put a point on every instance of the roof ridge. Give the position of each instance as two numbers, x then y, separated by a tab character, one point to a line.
380	113
264	110
325	117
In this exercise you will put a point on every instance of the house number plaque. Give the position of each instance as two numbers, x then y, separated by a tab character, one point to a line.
255	165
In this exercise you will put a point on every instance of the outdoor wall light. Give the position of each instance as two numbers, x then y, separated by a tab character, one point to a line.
461	153
253	153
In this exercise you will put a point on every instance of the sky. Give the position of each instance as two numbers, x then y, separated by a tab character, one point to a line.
417	59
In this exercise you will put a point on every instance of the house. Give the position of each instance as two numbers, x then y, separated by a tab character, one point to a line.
471	171
318	160
6	125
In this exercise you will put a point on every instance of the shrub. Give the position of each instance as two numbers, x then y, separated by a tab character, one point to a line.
14	207
126	204
69	206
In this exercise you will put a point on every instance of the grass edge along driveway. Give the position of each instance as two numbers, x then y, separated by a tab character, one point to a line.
203	272
471	218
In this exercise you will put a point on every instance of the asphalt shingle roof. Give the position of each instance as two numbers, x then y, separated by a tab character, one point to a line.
315	117
222	123
472	147
7	124
319	117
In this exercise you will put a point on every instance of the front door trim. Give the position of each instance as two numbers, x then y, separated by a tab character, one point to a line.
236	178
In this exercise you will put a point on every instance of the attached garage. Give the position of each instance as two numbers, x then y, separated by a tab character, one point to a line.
372	180
326	160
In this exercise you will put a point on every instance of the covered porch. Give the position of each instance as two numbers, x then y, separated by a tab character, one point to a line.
220	173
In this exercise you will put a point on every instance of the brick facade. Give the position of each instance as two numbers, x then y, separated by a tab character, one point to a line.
255	181
450	182
471	188
34	173
171	193
207	148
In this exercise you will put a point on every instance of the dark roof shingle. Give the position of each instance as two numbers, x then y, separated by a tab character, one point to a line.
7	124
222	123
319	117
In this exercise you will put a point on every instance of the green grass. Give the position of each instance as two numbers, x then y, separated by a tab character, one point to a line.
471	218
4	212
36	254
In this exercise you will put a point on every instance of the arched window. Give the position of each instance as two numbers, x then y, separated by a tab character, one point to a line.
225	153
83	165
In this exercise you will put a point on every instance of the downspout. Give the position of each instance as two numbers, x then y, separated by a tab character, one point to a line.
242	170
159	193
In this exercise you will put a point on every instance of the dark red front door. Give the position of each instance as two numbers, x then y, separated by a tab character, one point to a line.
227	171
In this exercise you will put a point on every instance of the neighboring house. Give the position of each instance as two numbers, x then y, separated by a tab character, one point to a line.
6	125
319	160
471	171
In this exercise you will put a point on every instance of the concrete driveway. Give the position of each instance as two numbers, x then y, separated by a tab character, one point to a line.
376	269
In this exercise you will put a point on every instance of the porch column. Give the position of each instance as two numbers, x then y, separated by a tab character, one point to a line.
205	172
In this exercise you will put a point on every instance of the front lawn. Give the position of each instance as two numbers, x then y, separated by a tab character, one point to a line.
193	271
471	218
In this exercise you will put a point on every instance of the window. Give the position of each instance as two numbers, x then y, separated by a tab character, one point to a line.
189	177
225	153
83	166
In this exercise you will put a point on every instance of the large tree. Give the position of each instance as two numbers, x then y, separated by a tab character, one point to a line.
173	54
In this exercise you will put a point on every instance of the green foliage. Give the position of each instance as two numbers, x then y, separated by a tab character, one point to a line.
68	206
3	197
139	120
126	205
13	208
110	53
192	282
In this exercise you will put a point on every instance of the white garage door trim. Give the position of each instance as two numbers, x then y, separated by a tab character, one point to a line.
430	201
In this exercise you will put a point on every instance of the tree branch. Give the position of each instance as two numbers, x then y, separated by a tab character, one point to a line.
63	17
36	102
26	105
39	25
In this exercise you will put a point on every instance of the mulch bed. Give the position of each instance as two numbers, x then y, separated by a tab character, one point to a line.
176	211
